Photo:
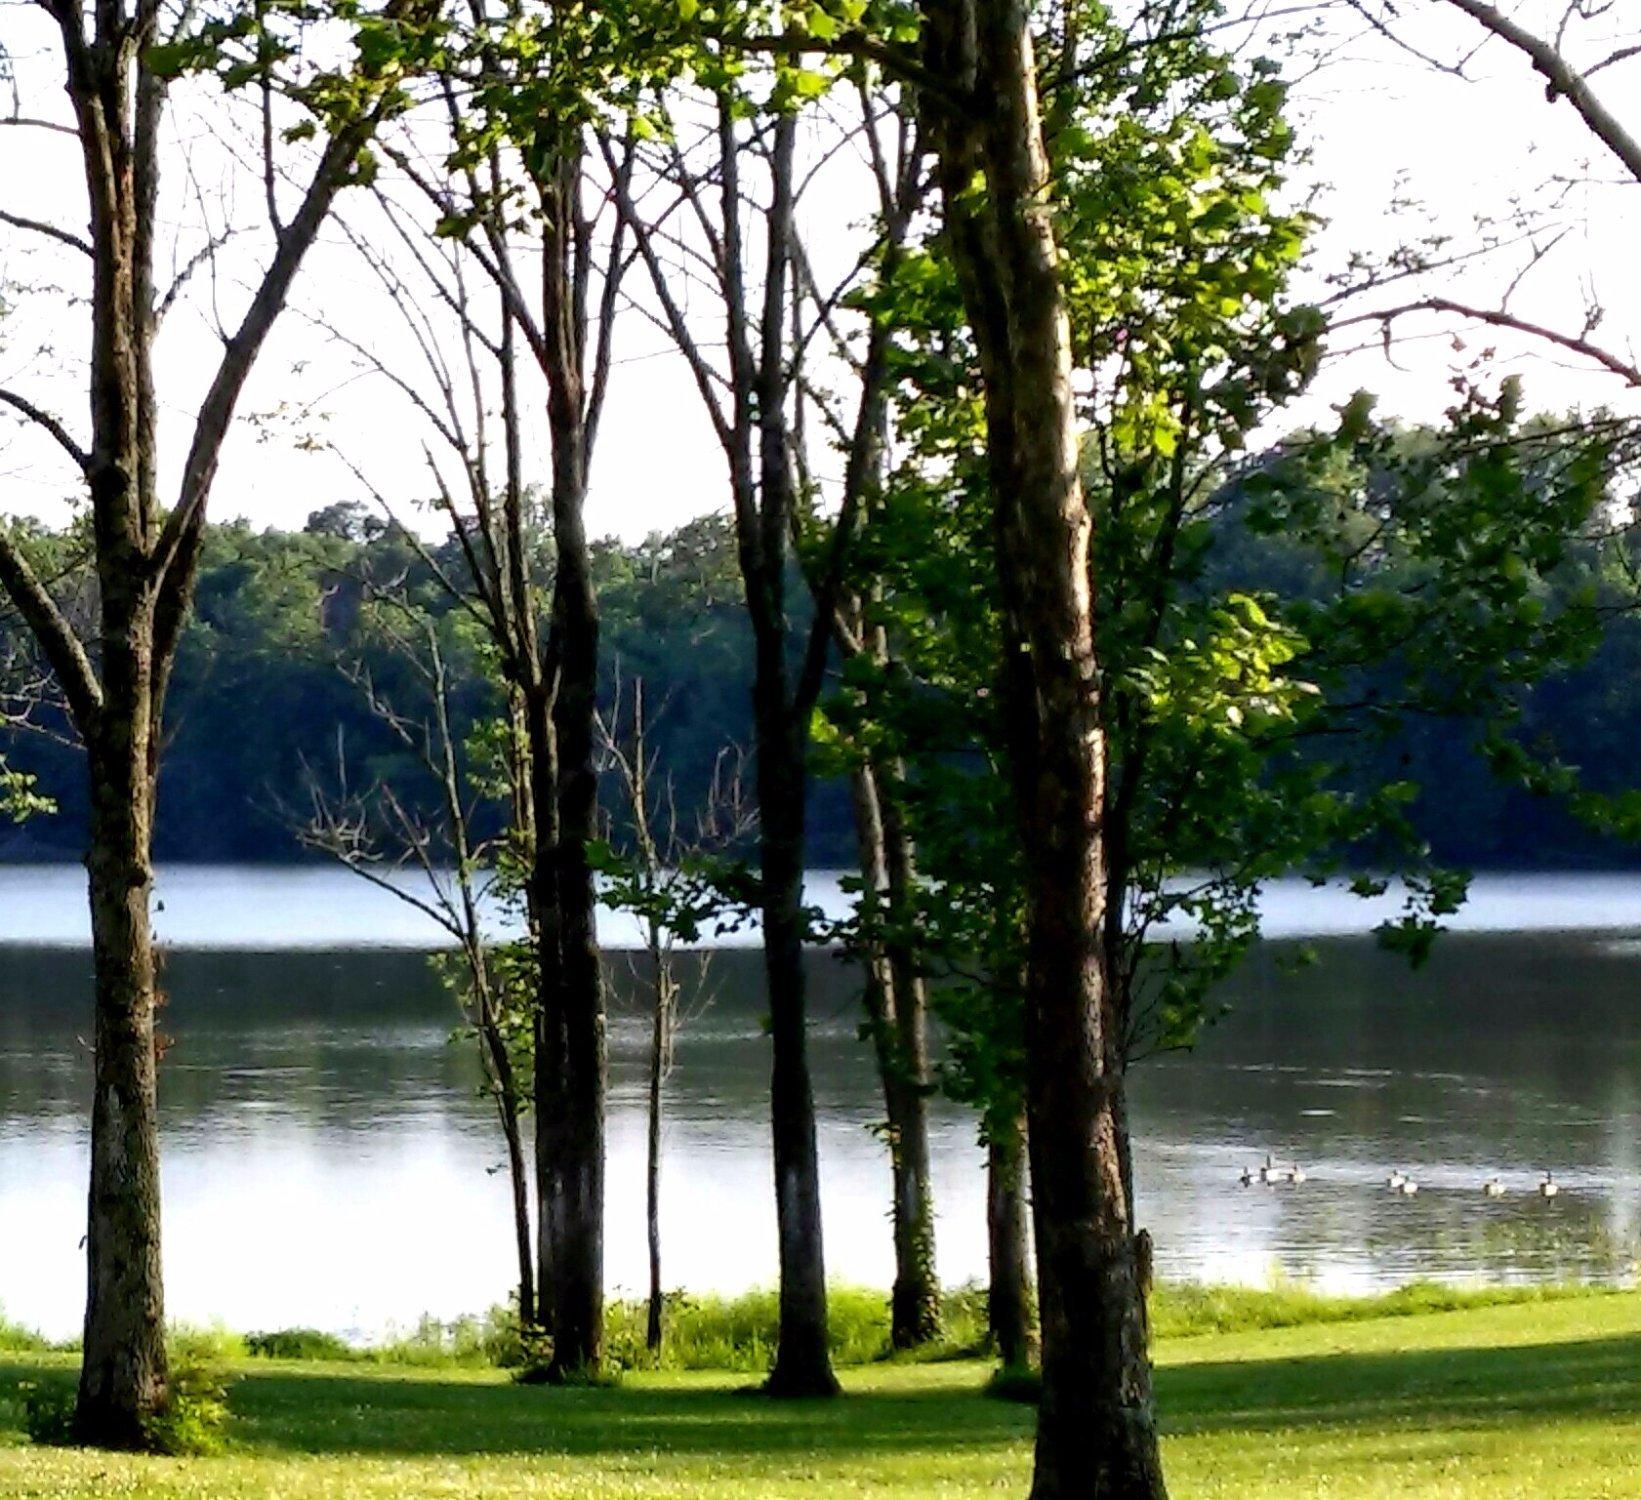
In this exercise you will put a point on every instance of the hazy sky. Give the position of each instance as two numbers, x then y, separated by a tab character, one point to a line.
1381	126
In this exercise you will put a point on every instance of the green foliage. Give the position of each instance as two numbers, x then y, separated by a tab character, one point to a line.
299	1343
18	797
1274	634
16	1339
192	1421
48	1411
491	1339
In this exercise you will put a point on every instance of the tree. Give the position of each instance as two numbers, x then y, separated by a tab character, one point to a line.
1159	161
1096	1426
507	183
654	869
379	832
118	65
894	988
751	409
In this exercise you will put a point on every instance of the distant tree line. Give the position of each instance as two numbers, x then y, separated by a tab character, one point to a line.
278	617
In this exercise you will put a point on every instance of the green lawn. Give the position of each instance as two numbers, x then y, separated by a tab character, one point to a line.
1533	1400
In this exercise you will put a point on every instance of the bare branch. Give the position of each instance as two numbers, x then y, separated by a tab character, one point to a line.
43	418
1626	369
62	647
1564	81
50	231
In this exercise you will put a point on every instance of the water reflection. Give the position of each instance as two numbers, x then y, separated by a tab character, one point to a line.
328	1159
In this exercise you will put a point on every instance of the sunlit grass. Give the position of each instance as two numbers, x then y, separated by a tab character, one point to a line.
1525	1399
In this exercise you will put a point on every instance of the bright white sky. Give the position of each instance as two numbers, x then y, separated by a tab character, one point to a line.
1381	125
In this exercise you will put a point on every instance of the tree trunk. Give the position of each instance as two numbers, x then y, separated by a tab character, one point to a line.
518	1169
803	1365
578	1324
1008	1300
1096	1431
518	1175
915	1317
547	1063
763	516
123	1371
660	1060
900	1048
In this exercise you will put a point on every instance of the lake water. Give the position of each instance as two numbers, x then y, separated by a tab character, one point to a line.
328	1161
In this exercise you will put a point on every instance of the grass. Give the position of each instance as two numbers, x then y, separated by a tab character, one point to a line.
1509	1399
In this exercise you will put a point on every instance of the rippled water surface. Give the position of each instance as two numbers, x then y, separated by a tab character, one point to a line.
328	1161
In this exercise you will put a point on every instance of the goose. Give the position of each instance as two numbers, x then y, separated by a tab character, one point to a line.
1549	1187
1247	1178
1408	1188
1396	1180
1296	1173
1268	1173
1492	1188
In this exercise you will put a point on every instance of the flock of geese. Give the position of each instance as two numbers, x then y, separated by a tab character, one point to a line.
1271	1174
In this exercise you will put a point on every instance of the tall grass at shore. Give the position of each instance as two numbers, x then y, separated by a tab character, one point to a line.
737	1333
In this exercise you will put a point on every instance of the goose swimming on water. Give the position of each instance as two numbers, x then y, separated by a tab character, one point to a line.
1492	1188
1549	1187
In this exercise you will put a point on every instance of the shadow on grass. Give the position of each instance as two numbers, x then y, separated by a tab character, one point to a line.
410	1414
1595	1378
407	1414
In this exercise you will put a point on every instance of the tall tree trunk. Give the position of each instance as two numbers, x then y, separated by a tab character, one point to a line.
1096	1431
541	899
1008	1300
763	515
915	1315
578	1254
900	1047
578	1324
123	1371
803	1365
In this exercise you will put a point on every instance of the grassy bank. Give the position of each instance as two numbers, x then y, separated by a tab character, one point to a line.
738	1333
1482	1403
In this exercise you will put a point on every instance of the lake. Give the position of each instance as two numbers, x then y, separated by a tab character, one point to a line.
328	1161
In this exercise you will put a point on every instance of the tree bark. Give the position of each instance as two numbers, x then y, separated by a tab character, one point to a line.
1096	1429
1008	1300
915	1315
547	1059
578	1323
123	1372
803	1364
900	1046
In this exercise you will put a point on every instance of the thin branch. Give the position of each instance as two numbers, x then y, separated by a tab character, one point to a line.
1625	369
44	419
62	647
50	231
